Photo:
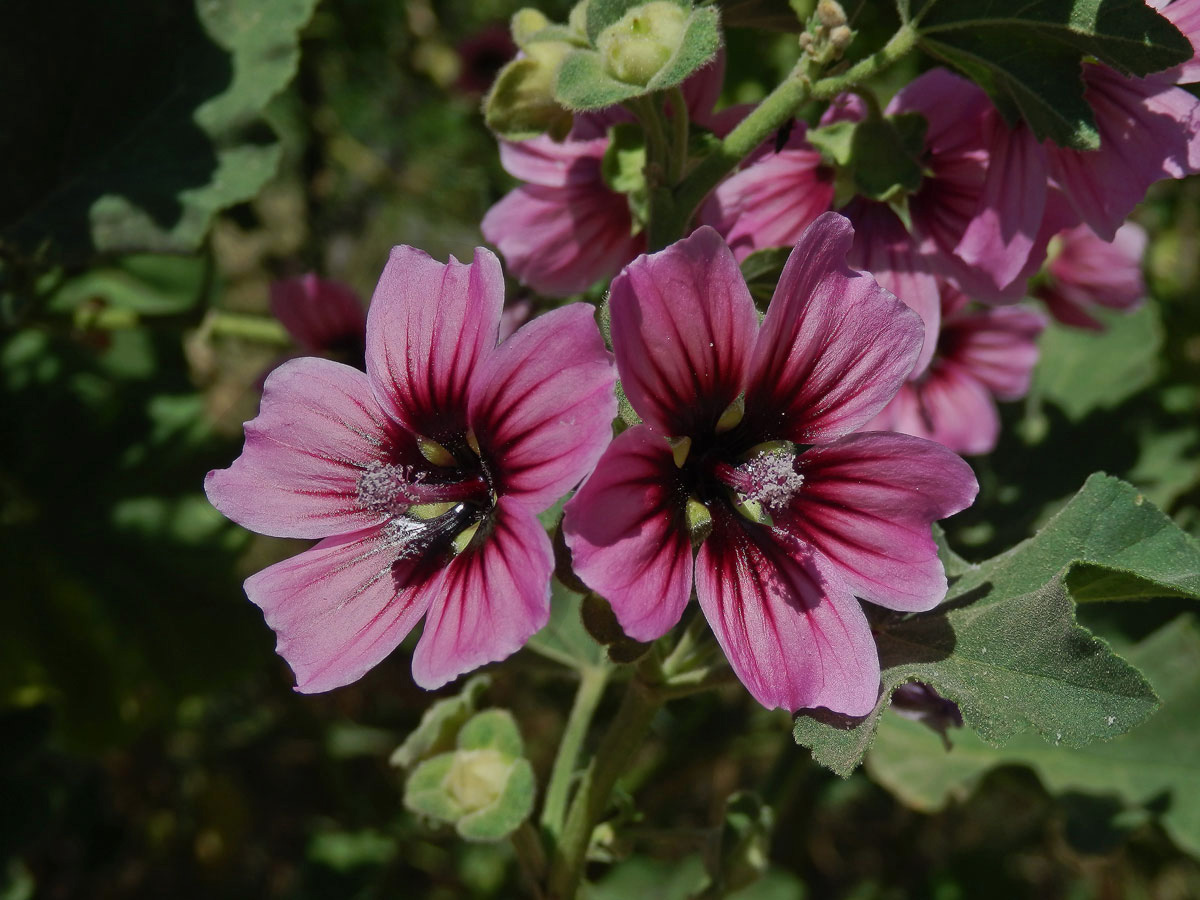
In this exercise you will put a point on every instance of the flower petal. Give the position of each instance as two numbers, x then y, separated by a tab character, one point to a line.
317	428
318	313
948	406
1090	271
771	202
545	161
1004	227
834	347
867	505
997	346
1148	131
791	630
627	535
429	325
341	607
683	325
543	405
491	599
561	241
883	247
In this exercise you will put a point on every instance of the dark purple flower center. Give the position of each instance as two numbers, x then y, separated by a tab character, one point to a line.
432	507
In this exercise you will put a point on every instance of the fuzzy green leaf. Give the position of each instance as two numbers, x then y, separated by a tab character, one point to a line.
700	44
425	792
602	13
564	639
1005	645
152	111
583	83
440	725
1028	55
492	729
1155	766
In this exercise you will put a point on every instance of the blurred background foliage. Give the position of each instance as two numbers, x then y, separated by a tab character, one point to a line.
180	159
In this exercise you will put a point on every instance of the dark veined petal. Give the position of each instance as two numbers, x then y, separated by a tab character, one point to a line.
317	428
683	326
341	607
318	313
490	600
628	538
543	404
834	347
791	630
429	326
867	505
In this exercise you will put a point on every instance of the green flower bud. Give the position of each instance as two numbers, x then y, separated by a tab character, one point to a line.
639	44
521	103
526	23
477	778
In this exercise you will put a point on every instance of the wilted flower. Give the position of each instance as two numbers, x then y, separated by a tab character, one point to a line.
748	449
422	476
979	357
1086	271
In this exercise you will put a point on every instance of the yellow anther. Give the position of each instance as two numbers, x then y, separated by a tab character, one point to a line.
430	510
699	519
435	452
732	415
680	447
462	540
752	510
473	443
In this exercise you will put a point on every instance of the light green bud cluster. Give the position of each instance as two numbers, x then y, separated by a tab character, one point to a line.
639	44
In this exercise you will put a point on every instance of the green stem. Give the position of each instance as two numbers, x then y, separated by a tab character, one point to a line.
587	697
260	329
679	136
621	741
530	855
778	107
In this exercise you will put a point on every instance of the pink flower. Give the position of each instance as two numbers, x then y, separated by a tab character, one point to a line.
565	228
1149	130
422	476
979	357
795	514
1086	271
322	316
1184	15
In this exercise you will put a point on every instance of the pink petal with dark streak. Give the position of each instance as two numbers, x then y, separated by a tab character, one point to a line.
429	326
791	630
628	538
490	600
543	404
341	607
683	325
317	428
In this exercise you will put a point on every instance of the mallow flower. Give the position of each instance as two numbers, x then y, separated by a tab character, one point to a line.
1085	271
746	477
421	477
980	356
323	316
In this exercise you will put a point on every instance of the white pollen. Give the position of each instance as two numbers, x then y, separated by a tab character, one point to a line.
388	488
772	479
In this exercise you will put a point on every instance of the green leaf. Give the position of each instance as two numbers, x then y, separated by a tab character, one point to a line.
1028	55
139	121
1156	766
583	83
1067	374
492	729
623	168
1005	645
762	269
425	791
564	639
440	725
149	284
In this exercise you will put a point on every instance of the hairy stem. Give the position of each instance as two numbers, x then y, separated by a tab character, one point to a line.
766	118
587	697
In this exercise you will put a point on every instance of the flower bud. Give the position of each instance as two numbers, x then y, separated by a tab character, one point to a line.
526	23
521	103
640	43
477	778
830	13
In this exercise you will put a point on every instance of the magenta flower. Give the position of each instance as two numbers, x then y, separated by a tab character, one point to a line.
422	476
564	229
747	448
1149	130
321	315
980	357
1086	271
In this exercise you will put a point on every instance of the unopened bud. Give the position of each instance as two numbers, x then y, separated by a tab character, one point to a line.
830	13
477	778
639	44
521	103
840	38
526	23
577	20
